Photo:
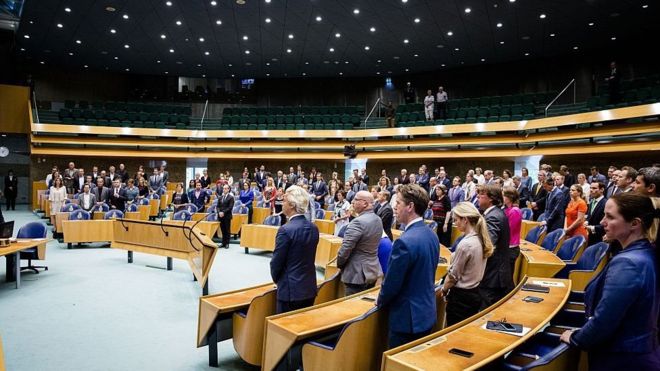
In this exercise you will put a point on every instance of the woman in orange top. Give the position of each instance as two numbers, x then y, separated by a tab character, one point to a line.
576	213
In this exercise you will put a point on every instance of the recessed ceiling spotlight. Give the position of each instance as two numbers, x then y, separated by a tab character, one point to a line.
450	33
341	73
214	3
304	74
125	16
78	42
372	29
318	18
68	10
245	37
613	38
404	1
307	63
377	73
158	61
247	52
645	6
332	50
290	36
379	61
267	63
112	30
289	51
483	59
230	65
457	49
591	24
201	39
512	1
178	23
267	20
163	36
367	47
575	48
405	41
417	20
416	55
218	22
267	1
268	74
116	58
337	35
407	69
526	54
356	11
203	75
468	10
552	35
126	46
345	62
110	9
22	49
70	53
42	62
166	72
168	3
499	25
59	25
127	69
542	16
171	50
443	65
86	66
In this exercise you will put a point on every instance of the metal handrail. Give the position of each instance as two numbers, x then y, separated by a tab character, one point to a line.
36	109
201	123
377	104
559	95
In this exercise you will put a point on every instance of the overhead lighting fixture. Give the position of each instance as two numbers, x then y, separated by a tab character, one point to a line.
416	55
126	46
468	10
116	58
214	3
207	53
499	25
112	30
318	18
367	47
201	39
178	23
267	20
71	54
341	73
372	29
59	25
68	10
450	33
526	54
290	36
158	61
613	38
125	16
218	22
552	35
166	72
542	16
42	62
267	63
26	36
247	52
171	50
457	49
128	69
417	20
86	66
406	41
268	75
404	1
267	1
163	36
288	51
575	48
483	59
110	9
337	35
168	3
332	50
512	1
245	38
78	42
645	6
501	42
356	11
591	24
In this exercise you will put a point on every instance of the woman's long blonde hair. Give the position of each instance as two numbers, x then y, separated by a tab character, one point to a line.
469	211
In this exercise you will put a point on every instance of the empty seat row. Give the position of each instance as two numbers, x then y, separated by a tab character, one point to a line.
129	107
100	116
628	98
311	110
488	101
292	119
483	114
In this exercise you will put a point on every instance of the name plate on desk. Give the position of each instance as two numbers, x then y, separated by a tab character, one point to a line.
549	283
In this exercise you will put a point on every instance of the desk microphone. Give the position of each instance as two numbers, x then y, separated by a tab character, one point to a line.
167	234
123	224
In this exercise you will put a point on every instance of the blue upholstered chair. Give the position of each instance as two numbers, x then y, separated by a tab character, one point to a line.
32	230
131	208
592	261
433	226
274	220
455	244
331	207
211	217
541	217
191	208
319	214
543	351
80	215
113	214
144	201
100	207
428	214
69	208
153	196
182	215
342	231
240	210
553	240
527	213
212	209
536	234
571	249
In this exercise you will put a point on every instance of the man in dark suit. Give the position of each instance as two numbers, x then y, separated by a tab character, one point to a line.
365	177
569	179
225	207
408	290
199	197
523	192
403	178
11	189
292	178
292	266
260	177
155	181
648	181
539	195
117	197
123	173
280	181
442	179
498	277
596	176
555	208
101	192
423	179
595	213
385	212
320	189
79	180
359	185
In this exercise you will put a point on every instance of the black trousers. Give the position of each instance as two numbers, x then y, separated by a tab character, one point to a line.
462	304
249	207
490	295
11	201
514	252
443	236
351	288
287	306
225	224
399	338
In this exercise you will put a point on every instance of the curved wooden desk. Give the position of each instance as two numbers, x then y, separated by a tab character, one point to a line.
259	214
537	262
327	249
325	226
13	256
258	236
432	352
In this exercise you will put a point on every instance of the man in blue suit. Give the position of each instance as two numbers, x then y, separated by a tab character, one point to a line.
555	206
292	266
409	286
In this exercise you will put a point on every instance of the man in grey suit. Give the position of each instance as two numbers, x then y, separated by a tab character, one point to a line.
101	193
155	181
385	212
358	256
86	199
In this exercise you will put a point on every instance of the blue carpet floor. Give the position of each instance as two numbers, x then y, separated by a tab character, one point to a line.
93	311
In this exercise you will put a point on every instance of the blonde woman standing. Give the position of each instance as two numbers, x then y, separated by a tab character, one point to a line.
56	196
468	264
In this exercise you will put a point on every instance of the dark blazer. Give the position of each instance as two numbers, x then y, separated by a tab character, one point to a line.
260	178
200	201
226	206
423	181
280	183
524	194
555	209
320	189
101	195
498	272
408	288
13	183
117	202
404	179
540	196
593	218
292	266
622	304
446	182
386	215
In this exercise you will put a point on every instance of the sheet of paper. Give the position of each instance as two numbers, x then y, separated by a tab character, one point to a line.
549	283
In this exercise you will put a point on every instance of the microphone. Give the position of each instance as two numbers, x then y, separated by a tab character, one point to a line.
123	224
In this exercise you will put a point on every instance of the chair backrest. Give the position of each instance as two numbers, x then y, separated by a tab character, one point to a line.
32	230
144	201
191	208
69	208
541	217
249	330
319	214
536	234
101	207
318	205
527	213
274	220
592	257
113	214
342	231
329	289
553	240
569	248
428	214
432	225
79	215
260	203
154	196
455	244
182	215
331	207
212	209
211	217
66	201
243	210
131	208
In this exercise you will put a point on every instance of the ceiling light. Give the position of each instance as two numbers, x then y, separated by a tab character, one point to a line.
22	49
203	75
267	1
377	73
575	48
78	42
126	46
42	62
214	3
128	69
247	52
332	50
468	10
201	39
367	47
501	42
290	36
218	22
449	33
417	20
591	23
356	11
125	16
158	61
457	49
110	9
499	25
59	25
404	1
304	74
112	30
245	37
542	16
267	20
407	69
68	10
379	61
70	53
372	29
405	41
526	54
552	35
512	1
168	3
116	58
483	59
86	66
318	18
166	72
288	51
341	73
230	65
337	35
26	36
267	63
163	36
171	50
613	38
645	6
268	74
178	23
416	55
207	53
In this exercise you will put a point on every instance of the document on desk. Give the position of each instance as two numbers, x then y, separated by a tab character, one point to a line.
524	331
548	283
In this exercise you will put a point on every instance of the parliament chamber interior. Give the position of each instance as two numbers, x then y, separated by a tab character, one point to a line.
329	185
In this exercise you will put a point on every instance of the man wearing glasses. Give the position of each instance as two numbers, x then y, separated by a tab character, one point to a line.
358	256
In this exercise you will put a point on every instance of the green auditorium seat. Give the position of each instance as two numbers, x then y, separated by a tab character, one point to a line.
528	98
335	119
262	111
243	120
484	101
355	119
495	100
288	119
270	120
308	119
505	100
482	114
279	119
298	119
261	120
252	120
64	113
326	119
184	119
516	100
227	111
494	114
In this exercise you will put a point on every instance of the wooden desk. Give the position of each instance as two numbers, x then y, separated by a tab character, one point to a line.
37	188
284	331
13	256
98	215
258	236
169	239
207	228
526	226
79	231
137	215
325	226
259	214
238	221
327	249
165	200
328	215
537	261
432	352
154	205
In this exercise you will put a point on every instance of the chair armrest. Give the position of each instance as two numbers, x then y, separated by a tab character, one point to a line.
320	345
580	279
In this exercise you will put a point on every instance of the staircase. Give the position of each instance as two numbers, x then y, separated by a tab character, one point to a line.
567	109
373	123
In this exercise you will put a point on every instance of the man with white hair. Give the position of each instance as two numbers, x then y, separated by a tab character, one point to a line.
358	256
292	266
